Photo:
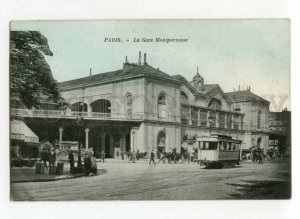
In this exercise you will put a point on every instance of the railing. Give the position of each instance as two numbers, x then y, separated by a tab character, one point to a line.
73	114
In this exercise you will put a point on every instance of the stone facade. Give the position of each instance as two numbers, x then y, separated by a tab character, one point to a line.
169	112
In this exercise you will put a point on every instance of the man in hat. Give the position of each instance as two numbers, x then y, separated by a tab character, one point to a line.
71	160
152	158
87	164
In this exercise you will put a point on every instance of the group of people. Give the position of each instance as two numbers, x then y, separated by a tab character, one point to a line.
48	155
164	157
90	164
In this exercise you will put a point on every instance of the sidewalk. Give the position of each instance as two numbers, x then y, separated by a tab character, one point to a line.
27	174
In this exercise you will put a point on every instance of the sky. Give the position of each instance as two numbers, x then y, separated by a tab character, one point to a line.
231	53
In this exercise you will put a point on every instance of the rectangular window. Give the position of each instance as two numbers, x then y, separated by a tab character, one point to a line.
236	122
222	120
185	115
213	119
194	113
203	117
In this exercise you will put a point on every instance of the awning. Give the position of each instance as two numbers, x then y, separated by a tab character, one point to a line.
20	131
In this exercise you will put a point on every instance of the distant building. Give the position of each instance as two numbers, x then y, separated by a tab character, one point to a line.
256	117
280	125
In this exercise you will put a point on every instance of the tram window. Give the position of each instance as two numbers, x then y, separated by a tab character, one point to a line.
221	146
229	146
201	144
213	145
206	144
233	147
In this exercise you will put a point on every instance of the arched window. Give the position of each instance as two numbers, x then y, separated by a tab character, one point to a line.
184	98
162	106
101	106
128	105
215	104
79	107
162	99
259	119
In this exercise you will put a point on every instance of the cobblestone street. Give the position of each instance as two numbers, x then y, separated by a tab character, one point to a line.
139	181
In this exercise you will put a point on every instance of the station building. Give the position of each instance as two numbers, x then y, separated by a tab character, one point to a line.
139	107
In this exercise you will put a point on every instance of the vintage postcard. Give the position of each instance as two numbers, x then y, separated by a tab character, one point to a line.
150	110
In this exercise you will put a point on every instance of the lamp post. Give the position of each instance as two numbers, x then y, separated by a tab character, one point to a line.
79	123
133	132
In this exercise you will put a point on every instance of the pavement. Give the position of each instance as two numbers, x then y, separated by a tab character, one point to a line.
27	174
141	181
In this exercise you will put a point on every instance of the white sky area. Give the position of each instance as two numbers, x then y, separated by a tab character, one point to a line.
230	53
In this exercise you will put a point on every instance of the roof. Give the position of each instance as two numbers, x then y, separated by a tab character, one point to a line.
244	96
129	71
188	84
209	87
19	130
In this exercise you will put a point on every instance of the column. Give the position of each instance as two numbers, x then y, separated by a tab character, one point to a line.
217	120
190	116
207	119
225	119
232	122
87	138
199	121
89	109
60	136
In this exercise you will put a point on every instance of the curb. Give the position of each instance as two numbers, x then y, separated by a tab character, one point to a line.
61	178
47	180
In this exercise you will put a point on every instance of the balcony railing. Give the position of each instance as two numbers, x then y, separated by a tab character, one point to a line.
73	114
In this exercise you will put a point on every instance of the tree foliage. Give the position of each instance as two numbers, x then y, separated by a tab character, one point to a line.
31	76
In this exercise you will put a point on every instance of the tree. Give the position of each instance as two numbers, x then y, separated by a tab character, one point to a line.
31	76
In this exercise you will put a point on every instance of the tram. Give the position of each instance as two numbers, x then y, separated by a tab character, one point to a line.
218	151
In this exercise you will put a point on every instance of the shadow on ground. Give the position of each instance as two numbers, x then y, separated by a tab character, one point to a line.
255	189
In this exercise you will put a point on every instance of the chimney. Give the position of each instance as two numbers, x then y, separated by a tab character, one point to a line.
145	59
239	87
197	70
140	58
126	60
90	71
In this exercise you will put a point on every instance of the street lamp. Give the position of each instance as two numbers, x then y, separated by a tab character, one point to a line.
133	132
79	123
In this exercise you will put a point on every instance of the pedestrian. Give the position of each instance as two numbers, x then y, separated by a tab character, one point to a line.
87	164
260	159
71	160
52	158
122	154
152	158
187	155
45	157
132	157
161	157
103	156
